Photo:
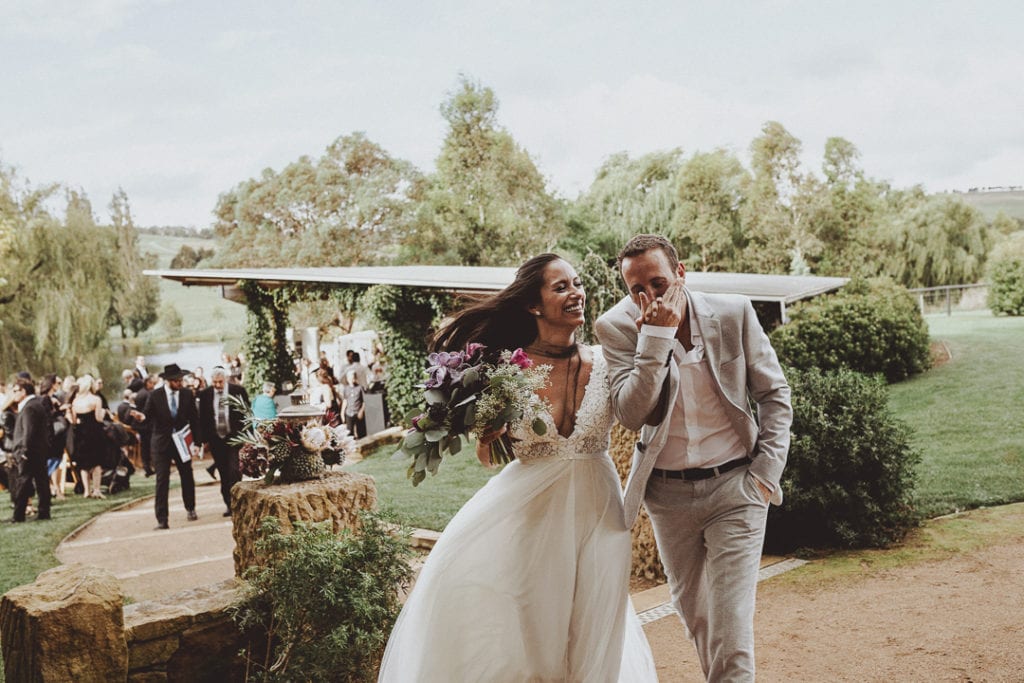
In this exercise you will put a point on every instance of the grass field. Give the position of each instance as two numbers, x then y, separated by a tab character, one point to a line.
433	503
967	414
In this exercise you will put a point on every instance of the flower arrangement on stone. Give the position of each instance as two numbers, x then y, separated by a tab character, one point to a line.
298	451
472	392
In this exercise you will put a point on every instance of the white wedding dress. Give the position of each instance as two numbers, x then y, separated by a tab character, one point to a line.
529	581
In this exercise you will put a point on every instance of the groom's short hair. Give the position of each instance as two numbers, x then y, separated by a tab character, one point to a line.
639	244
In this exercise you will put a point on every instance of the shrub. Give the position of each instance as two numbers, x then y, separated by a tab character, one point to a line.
850	476
322	606
1006	277
869	326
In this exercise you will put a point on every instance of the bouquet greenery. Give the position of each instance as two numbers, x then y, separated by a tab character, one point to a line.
472	392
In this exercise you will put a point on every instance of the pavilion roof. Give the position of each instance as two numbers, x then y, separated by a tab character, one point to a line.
784	289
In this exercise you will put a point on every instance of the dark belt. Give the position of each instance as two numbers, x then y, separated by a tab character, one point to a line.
697	473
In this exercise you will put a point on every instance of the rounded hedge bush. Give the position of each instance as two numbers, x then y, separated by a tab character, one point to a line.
871	326
1006	277
849	480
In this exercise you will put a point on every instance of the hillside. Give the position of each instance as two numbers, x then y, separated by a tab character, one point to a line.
1010	202
205	315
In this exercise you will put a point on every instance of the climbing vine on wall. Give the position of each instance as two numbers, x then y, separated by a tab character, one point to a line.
266	347
404	319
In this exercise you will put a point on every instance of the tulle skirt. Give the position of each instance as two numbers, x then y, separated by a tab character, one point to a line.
529	582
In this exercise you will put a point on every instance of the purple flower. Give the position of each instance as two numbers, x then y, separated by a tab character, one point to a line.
444	366
520	358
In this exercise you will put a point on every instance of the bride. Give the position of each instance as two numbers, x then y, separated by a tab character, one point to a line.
529	581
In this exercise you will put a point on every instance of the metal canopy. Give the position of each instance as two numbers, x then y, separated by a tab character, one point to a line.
783	289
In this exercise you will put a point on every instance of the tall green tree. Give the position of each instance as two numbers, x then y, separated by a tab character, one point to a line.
135	296
628	196
709	220
352	206
782	207
486	203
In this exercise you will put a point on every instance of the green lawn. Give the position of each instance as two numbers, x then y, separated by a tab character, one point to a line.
968	414
436	500
27	549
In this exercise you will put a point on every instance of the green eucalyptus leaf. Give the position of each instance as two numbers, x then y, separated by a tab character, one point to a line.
435	435
413	439
434	396
540	428
455	445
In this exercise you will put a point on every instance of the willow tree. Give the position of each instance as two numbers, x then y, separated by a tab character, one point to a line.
628	196
937	240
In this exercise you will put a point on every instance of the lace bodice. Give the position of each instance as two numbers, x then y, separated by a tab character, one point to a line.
590	438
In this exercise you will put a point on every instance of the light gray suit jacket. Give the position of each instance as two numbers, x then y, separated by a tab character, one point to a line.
645	382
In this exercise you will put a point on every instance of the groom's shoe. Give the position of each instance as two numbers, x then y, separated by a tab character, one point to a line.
192	516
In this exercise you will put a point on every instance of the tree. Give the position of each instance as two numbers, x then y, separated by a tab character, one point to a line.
135	296
487	203
628	197
782	205
709	223
188	257
936	240
350	207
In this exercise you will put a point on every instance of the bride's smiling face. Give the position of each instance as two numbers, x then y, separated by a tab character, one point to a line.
562	298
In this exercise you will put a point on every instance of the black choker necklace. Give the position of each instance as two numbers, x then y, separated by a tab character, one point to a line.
540	348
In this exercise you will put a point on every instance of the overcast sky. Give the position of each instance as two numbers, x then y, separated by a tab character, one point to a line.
178	101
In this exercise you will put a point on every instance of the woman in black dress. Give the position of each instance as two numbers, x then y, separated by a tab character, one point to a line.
86	416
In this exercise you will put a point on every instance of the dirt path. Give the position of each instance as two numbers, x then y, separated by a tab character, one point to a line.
959	619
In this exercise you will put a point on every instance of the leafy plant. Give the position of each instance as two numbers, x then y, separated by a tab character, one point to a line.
321	607
871	326
850	477
1006	277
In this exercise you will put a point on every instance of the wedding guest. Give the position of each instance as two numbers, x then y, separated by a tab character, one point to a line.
86	415
263	406
352	406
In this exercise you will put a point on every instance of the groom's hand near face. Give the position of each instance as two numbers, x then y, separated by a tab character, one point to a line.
666	309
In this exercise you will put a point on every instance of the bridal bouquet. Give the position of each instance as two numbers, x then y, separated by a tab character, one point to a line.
465	393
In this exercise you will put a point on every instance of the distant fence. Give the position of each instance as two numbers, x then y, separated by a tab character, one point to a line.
949	298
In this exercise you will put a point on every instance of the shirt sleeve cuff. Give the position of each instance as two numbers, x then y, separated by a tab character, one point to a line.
659	331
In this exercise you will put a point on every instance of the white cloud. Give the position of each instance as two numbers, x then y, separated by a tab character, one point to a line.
67	19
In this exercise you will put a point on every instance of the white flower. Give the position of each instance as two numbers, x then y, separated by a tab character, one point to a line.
314	438
342	441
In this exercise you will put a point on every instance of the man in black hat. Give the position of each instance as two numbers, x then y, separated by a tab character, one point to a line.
168	410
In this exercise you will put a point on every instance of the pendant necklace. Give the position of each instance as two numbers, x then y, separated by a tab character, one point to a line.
572	378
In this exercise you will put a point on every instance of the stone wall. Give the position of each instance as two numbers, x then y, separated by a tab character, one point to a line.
71	624
645	551
187	636
337	496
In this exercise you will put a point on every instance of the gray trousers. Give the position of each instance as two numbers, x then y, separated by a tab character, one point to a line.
709	535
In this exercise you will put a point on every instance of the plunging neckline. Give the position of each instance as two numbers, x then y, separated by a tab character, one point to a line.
550	419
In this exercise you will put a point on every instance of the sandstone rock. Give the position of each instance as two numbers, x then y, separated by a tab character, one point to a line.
645	550
66	626
337	496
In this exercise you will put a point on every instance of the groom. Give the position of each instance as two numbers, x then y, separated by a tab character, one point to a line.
684	368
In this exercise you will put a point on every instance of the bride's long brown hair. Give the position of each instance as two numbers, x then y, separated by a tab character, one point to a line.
499	321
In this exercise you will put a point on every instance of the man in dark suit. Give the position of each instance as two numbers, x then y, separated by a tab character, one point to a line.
32	435
219	422
144	429
169	409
